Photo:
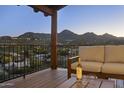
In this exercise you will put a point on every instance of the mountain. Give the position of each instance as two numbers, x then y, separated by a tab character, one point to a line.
5	38
86	39
65	37
33	36
68	37
90	38
106	35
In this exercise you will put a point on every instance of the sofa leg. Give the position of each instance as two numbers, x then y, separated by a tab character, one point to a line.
69	73
106	78
99	76
69	76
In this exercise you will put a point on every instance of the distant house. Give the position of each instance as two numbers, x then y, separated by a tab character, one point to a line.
43	57
14	38
59	44
18	64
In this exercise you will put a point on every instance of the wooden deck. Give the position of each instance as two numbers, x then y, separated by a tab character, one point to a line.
45	79
87	83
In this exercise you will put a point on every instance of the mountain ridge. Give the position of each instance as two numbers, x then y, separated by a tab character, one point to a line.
69	37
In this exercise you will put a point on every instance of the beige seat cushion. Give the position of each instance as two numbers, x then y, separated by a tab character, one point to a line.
91	53
89	66
113	68
114	54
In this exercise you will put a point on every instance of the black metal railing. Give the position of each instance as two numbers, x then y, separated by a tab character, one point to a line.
65	51
20	60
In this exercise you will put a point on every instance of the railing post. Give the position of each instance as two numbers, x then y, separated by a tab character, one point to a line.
4	61
69	68
13	65
24	62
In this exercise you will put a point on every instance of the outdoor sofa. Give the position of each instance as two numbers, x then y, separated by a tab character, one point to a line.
100	61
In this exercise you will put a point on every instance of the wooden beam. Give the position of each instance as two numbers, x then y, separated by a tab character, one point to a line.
43	8
54	41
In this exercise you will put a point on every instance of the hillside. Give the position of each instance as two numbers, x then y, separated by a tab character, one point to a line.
65	37
33	36
90	38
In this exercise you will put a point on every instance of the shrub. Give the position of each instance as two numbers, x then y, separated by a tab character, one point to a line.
6	59
40	51
63	51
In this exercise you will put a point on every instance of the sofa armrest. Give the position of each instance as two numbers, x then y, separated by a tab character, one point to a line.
70	59
75	57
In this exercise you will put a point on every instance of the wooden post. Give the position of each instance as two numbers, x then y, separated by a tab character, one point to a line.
54	40
69	68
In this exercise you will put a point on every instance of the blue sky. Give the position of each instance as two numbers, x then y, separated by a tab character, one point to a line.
16	20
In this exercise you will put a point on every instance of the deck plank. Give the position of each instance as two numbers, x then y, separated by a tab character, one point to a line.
67	83
31	79
79	84
56	82
119	83
107	84
31	82
46	80
94	83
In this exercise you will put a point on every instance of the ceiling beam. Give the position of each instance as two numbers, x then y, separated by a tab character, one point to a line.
47	11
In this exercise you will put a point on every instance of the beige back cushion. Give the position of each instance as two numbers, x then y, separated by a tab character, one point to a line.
114	53
91	53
